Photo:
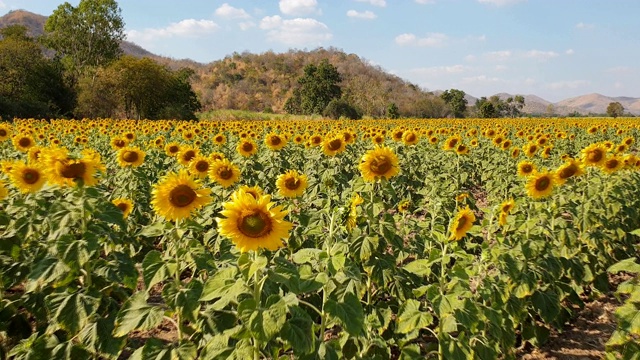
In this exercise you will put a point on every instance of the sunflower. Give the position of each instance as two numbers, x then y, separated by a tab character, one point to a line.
65	171
526	168
571	168
247	147
404	206
118	143
507	206
34	154
224	172
27	178
252	223
172	149
502	218
254	191
176	196
378	139
23	142
462	222
410	138
462	149
291	184
540	185
612	164
434	140
452	142
200	166
125	205
274	141
530	149
353	211
219	139
5	132
594	155
333	145
130	156
315	140
379	162
4	192
186	154
506	144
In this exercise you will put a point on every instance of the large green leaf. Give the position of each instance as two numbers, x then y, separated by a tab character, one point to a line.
298	331
72	310
547	304
98	338
154	269
411	319
420	267
349	312
266	323
136	314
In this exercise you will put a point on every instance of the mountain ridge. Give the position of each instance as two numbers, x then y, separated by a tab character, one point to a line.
593	103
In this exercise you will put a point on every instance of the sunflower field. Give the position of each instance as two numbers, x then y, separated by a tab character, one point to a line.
385	239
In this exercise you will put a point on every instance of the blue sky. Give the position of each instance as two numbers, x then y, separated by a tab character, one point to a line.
555	49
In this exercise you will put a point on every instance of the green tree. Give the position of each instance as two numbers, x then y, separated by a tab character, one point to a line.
615	109
32	85
455	99
392	111
338	108
86	36
513	106
487	109
318	86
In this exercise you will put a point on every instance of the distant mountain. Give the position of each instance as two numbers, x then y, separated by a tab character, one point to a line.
597	103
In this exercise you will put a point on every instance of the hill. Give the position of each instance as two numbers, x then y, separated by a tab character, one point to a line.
597	103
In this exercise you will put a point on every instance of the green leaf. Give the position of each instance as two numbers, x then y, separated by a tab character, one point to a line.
45	272
411	319
154	269
547	304
628	265
218	285
153	349
154	230
306	255
628	316
298	331
265	324
420	267
98	338
72	311
349	312
136	314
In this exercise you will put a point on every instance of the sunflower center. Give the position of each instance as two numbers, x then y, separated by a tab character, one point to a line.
527	168
255	225
24	142
335	144
316	140
202	166
461	222
612	163
275	140
567	172
188	155
380	165
129	136
218	139
123	207
30	176
130	156
73	171
3	132
347	137
225	173
182	195
292	183
411	138
595	155
174	149
453	142
247	146
543	183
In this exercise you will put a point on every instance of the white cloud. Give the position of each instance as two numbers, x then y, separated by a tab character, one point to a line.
380	3
619	70
540	55
298	7
530	81
568	84
470	58
582	25
440	70
501	67
299	31
246	25
361	15
424	2
480	79
500	2
184	28
570	52
501	55
618	85
2	5
431	40
230	12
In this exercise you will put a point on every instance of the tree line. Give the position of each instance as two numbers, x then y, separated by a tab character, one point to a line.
77	69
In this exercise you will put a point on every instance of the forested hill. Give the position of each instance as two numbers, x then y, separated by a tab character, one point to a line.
264	82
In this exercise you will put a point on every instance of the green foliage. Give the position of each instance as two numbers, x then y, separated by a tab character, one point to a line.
624	342
392	111
455	99
86	36
494	107
338	108
615	109
318	86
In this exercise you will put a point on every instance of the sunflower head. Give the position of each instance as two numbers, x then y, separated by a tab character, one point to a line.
27	178
410	137
612	164
291	184
594	155
23	142
507	206
404	206
224	172
526	168
64	170
252	223
200	166
4	192
462	222
275	141
540	185
187	154
254	191
130	156
124	205
172	149
177	196
571	168
378	163
5	132
333	145
247	147
451	142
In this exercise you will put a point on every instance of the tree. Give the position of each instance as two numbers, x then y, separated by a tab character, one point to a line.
392	111
338	108
615	109
513	106
32	85
86	36
318	86
486	108
455	99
